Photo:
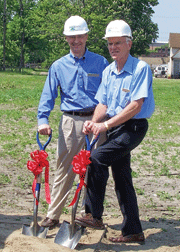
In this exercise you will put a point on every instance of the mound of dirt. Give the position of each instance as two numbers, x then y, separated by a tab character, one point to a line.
161	236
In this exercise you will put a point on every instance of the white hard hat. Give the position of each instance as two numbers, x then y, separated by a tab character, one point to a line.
118	28
75	25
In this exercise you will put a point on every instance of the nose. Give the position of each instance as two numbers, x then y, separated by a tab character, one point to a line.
76	39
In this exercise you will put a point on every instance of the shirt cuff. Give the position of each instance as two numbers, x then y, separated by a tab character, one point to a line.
42	121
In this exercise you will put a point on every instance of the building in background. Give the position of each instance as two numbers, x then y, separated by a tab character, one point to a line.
157	57
174	62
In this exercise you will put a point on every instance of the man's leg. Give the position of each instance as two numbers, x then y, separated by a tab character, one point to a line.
121	141
126	195
71	141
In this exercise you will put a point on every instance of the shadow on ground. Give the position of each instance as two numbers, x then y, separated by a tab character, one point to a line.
161	236
11	223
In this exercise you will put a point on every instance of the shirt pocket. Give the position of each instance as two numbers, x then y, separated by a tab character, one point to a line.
92	82
122	101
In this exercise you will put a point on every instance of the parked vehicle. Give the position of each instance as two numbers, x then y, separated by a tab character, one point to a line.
161	71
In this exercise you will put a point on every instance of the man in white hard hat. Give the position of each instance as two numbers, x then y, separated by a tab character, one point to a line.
77	76
126	97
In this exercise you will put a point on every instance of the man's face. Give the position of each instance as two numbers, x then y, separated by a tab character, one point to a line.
77	44
119	48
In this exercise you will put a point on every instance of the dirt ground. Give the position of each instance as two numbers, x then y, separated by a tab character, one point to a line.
160	218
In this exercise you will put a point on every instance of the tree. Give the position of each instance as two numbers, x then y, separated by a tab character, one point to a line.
35	27
4	36
97	13
18	31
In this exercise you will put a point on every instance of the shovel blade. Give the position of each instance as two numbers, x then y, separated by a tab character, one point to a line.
68	238
37	231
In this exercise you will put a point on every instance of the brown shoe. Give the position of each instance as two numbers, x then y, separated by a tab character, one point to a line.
129	238
49	223
89	221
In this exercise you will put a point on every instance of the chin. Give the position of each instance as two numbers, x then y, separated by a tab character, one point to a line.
113	57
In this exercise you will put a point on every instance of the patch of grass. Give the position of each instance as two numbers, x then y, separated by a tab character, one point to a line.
65	210
164	195
4	179
135	174
151	204
139	191
44	205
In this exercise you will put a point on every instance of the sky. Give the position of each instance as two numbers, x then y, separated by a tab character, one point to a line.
167	16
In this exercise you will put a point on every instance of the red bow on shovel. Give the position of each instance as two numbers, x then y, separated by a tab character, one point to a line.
80	163
70	234
36	166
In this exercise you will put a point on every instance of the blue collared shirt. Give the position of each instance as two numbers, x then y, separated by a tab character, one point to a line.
78	81
133	82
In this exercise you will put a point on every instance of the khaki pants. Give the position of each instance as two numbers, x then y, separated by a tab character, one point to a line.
71	141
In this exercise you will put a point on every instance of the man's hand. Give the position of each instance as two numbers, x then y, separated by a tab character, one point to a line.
93	127
44	129
97	128
87	127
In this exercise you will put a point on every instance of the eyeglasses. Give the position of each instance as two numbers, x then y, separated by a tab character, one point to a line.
119	43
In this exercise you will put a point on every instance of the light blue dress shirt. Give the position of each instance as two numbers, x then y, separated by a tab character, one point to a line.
78	81
133	82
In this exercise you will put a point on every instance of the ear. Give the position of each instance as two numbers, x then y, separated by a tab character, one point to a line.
130	44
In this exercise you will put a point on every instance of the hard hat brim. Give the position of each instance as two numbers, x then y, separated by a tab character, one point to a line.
73	33
116	36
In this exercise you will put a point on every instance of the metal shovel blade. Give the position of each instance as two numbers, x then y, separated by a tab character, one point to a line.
68	237
37	230
70	234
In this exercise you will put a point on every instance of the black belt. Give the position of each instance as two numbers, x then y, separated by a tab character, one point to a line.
76	113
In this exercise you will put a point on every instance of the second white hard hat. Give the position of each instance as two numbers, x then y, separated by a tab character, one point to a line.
118	28
75	25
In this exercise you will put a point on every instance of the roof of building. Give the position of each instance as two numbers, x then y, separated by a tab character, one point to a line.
174	40
155	61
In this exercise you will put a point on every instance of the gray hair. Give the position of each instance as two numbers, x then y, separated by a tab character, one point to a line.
128	39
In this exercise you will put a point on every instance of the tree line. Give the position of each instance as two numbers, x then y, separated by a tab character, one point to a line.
32	30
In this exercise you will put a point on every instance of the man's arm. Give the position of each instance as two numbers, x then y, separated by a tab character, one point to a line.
47	101
127	113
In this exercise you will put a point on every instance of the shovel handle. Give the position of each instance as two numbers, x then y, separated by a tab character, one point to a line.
46	144
90	145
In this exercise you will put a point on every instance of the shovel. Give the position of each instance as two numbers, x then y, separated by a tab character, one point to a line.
70	234
35	229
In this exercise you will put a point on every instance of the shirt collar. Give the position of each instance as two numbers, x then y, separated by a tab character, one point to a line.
73	58
128	67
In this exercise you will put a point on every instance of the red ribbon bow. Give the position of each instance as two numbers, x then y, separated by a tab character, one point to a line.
36	167
80	163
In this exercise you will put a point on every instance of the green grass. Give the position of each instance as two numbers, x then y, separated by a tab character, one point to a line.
19	99
4	179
